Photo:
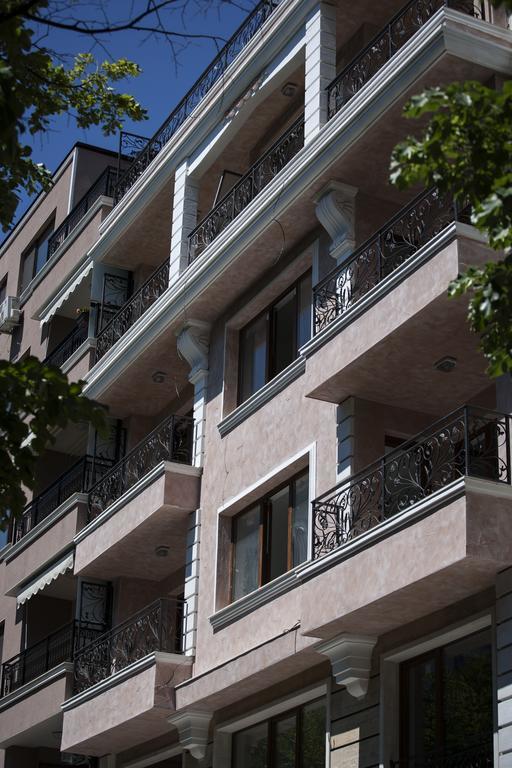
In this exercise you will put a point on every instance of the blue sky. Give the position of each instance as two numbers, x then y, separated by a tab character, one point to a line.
164	80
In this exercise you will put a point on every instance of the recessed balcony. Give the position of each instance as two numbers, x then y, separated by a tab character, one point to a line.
124	681
385	44
142	503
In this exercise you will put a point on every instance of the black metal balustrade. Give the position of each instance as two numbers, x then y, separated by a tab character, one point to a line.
170	441
214	72
385	44
71	342
77	479
414	226
479	756
158	627
469	442
58	647
245	190
104	185
134	308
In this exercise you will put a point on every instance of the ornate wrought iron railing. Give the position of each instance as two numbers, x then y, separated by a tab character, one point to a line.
478	756
71	342
385	44
245	190
158	627
78	478
414	226
58	647
134	308
104	185
469	442
170	441
214	72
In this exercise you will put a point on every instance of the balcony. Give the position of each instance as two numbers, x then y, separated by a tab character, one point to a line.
414	226
103	186
470	442
124	681
245	190
133	309
385	44
142	503
55	649
214	72
78	479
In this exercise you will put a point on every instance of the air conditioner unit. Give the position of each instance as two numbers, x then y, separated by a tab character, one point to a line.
9	314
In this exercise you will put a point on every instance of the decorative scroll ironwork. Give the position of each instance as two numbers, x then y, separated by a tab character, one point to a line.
78	479
186	106
170	441
414	226
104	185
470	441
385	44
245	190
134	308
478	756
44	655
158	627
70	343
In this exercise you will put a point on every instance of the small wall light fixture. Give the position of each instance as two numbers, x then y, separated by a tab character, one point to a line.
445	364
159	377
162	551
289	90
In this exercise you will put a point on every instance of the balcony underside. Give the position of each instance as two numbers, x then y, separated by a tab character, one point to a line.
357	153
388	353
129	712
31	715
122	541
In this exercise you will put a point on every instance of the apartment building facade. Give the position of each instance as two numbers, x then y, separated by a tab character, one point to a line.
292	549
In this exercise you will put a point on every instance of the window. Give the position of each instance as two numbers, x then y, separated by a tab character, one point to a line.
16	339
271	537
3	289
271	341
295	739
447	703
34	259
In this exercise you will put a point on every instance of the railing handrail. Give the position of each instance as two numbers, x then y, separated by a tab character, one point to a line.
462	410
115	467
378	234
130	620
44	641
134	296
182	104
110	169
296	123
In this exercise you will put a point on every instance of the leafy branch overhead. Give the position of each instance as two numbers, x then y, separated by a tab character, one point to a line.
466	150
36	400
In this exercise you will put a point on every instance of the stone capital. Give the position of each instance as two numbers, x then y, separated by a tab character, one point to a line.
193	344
335	210
193	727
351	658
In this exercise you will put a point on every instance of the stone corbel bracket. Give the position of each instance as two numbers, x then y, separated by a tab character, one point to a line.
335	210
193	728
351	658
193	344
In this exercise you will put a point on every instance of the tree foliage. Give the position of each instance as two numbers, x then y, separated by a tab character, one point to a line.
34	87
466	150
36	400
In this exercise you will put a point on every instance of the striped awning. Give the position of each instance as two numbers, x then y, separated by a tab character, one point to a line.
44	579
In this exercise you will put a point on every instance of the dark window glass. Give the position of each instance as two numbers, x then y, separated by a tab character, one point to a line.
16	339
293	740
448	701
3	289
271	342
271	537
35	257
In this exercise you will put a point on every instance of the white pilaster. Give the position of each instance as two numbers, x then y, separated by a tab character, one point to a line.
320	66
184	219
191	591
193	345
504	667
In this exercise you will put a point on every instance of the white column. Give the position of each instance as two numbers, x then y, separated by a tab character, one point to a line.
320	66
504	667
184	219
191	591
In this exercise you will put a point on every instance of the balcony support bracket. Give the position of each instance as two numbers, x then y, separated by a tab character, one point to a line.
335	210
350	657
193	729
